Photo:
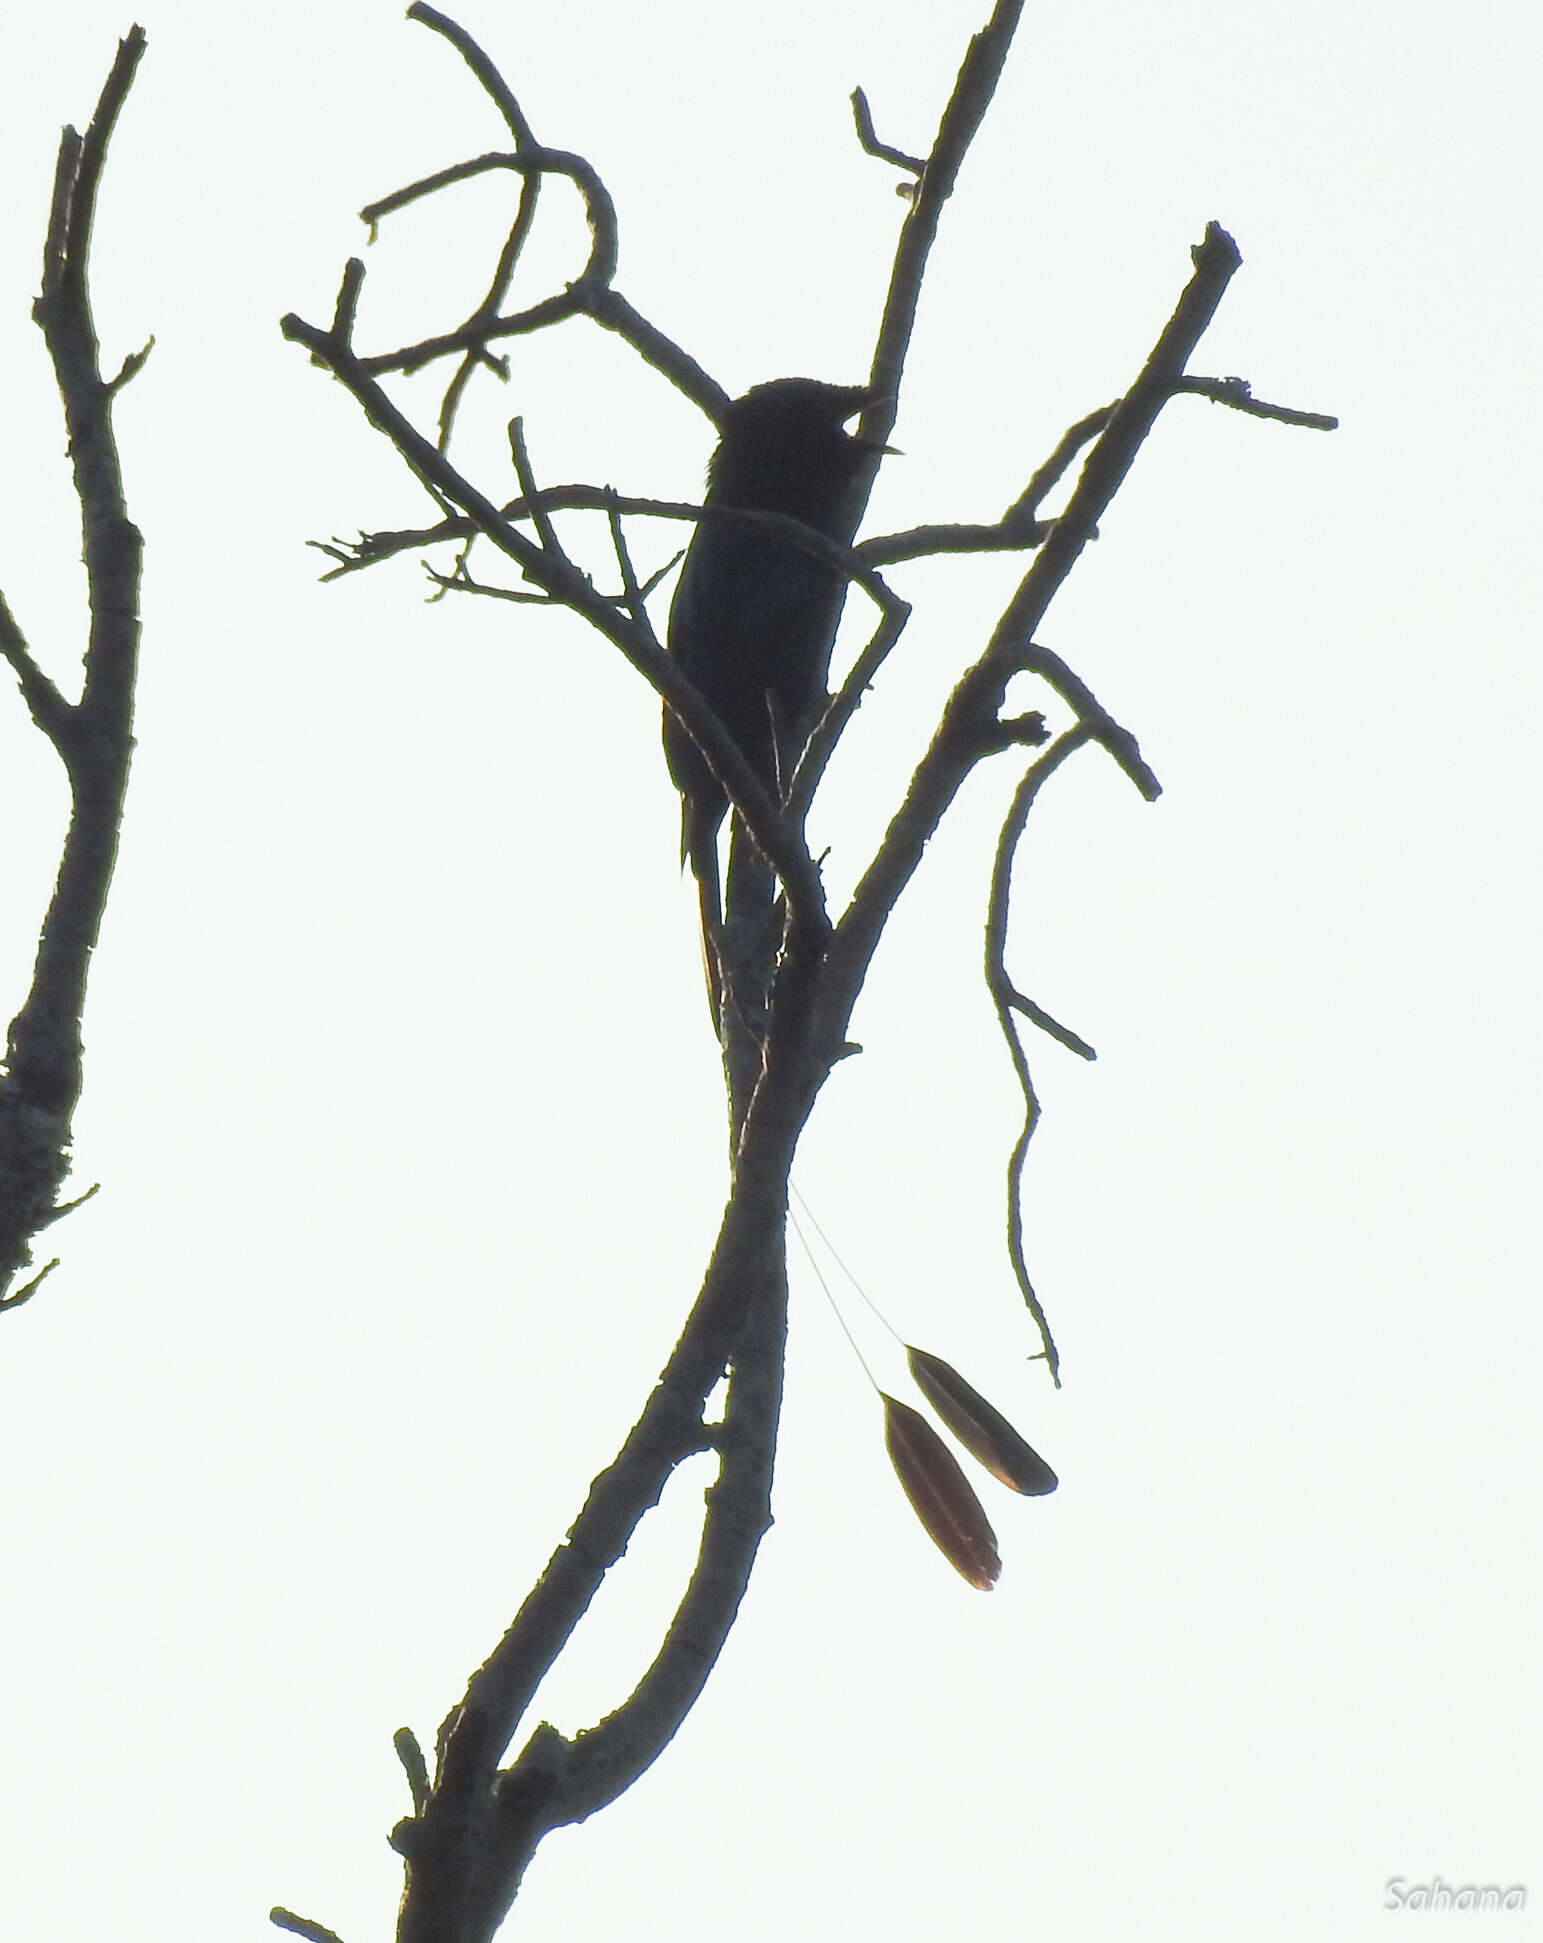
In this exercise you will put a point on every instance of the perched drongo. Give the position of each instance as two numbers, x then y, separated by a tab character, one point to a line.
754	615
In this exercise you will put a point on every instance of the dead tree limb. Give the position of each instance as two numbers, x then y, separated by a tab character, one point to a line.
478	1817
93	736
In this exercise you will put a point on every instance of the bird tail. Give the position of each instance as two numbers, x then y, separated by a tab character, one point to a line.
699	848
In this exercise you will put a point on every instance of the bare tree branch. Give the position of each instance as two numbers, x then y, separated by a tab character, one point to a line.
93	736
1237	393
1007	1001
286	1919
525	214
372	548
1019	528
977	700
591	294
862	114
771	830
47	707
480	330
466	1851
974	87
1093	724
477	1822
1105	730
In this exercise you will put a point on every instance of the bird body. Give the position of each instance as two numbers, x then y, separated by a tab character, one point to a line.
754	617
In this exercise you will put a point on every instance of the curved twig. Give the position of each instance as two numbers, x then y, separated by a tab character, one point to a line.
862	115
481	329
525	213
1019	528
1037	659
1007	1001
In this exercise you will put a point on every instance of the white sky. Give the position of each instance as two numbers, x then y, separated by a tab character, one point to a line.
399	1088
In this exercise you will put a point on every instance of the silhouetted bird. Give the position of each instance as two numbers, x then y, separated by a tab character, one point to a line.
754	617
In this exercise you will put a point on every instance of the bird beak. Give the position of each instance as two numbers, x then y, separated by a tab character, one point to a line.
869	399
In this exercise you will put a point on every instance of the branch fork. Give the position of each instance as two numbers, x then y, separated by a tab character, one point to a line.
476	1821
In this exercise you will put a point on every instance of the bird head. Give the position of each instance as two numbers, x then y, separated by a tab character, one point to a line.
783	444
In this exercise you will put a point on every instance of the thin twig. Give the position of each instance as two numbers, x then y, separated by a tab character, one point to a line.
1236	393
460	582
410	1754
976	701
843	705
1036	659
286	1919
774	835
541	519
973	89
481	329
525	213
1019	528
47	707
862	114
492	82
1007	1001
633	597
370	549
926	542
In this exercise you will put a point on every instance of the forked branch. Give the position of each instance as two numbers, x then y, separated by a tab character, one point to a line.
92	736
476	1821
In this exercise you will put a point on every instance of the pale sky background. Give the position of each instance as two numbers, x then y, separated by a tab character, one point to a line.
399	1088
